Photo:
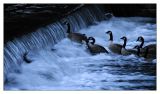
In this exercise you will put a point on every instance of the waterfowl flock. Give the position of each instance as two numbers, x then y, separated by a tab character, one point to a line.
148	52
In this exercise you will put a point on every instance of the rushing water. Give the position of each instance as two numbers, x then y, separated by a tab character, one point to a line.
70	67
48	36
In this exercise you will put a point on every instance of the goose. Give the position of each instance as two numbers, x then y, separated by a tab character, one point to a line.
139	51
76	37
145	54
149	55
26	59
151	48
95	48
125	51
115	48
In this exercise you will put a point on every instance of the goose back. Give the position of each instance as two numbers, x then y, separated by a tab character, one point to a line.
95	48
125	51
76	37
115	48
151	47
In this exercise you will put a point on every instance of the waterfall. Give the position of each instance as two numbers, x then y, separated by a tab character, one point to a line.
48	36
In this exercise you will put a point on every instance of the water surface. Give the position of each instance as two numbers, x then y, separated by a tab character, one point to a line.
70	67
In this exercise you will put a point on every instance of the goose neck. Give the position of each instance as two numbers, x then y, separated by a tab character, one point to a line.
111	37
124	44
141	45
138	51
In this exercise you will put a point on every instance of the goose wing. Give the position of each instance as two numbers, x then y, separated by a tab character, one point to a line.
128	51
132	51
77	37
116	48
98	49
151	48
151	56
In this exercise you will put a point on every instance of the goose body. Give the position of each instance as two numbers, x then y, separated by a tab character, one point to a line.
149	55
76	37
145	54
139	51
113	47
95	48
151	47
125	51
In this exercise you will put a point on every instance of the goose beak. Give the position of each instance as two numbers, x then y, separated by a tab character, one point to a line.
138	39
121	38
107	32
134	47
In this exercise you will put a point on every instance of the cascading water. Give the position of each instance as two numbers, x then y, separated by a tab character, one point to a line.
70	67
47	36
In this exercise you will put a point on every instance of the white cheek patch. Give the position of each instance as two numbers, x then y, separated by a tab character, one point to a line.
84	42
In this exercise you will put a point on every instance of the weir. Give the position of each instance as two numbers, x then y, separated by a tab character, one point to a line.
49	35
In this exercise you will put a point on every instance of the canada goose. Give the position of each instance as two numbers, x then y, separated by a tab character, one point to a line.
95	48
26	59
145	54
151	48
149	55
125	51
115	48
76	37
139	52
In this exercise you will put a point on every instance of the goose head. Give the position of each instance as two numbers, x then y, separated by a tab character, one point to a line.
92	40
110	34
141	39
125	41
124	38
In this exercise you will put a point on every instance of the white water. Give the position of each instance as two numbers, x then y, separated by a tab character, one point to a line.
71	67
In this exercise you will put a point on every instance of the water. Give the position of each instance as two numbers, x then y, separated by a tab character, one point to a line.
48	36
70	67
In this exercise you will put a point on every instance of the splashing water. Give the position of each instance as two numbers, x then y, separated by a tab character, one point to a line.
48	36
70	67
